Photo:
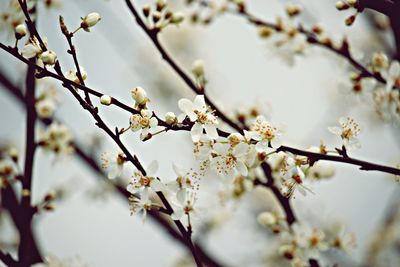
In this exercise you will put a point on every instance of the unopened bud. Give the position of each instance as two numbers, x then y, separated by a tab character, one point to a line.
146	11
198	68
177	17
340	5
380	61
156	16
139	95
105	100
20	31
49	57
292	10
265	31
161	4
90	20
317	29
13	153
350	20
170	118
352	2
266	218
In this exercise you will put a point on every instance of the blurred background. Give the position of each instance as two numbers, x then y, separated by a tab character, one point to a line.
242	70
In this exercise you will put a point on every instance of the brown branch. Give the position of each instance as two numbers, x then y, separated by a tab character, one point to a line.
364	165
68	35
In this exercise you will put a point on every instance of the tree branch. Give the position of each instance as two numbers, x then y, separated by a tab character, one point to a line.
364	165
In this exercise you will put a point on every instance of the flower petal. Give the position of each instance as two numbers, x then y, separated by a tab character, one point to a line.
152	168
199	103
196	132
211	131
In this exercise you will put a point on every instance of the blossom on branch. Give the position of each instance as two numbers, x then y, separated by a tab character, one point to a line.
200	114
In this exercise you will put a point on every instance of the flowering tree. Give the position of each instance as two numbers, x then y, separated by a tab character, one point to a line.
241	151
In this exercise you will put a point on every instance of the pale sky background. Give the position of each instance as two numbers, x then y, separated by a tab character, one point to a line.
241	70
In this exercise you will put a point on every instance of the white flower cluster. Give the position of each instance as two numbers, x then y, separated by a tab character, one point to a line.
34	49
183	188
57	138
295	245
384	97
162	16
345	5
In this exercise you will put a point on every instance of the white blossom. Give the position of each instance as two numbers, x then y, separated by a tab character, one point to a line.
139	95
265	133
114	162
141	183
142	204
72	75
57	138
144	122
45	108
229	160
184	181
32	48
348	132
184	206
203	118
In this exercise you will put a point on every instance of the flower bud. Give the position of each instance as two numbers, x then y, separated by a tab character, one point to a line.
379	61
340	5
177	18
198	68
156	16
352	2
146	11
45	108
292	10
48	57
350	20
161	4
139	95
317	29
105	100
266	218
90	20
20	31
170	118
13	153
265	31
